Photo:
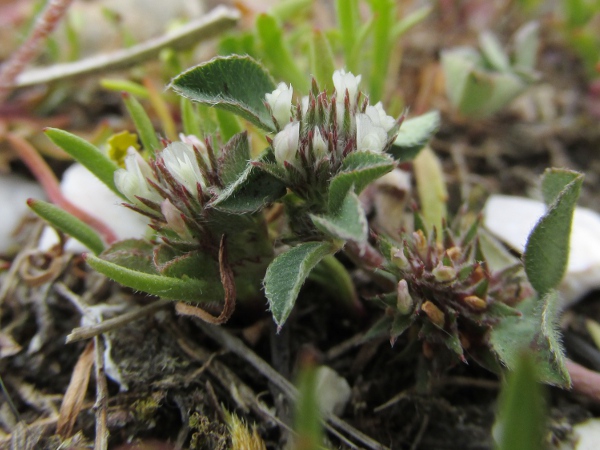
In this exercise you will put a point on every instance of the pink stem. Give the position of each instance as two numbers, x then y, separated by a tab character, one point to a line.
585	381
42	172
45	23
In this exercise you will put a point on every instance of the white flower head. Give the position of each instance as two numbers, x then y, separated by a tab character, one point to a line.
345	81
285	143
180	161
319	145
379	117
193	140
132	181
280	101
369	136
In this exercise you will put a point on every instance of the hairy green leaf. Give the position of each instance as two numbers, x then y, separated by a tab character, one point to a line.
190	289
68	224
358	169
537	331
88	155
235	156
321	60
253	189
233	83
348	223
414	135
287	273
547	250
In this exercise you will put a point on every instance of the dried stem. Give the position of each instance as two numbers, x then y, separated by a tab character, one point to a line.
45	23
79	334
584	381
101	405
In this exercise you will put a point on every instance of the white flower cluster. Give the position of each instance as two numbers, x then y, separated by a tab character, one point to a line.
369	128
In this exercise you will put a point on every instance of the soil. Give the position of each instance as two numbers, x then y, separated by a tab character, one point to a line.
170	382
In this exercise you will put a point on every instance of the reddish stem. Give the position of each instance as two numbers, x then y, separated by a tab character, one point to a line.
585	381
45	23
42	172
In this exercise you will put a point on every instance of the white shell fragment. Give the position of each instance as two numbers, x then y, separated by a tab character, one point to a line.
511	219
333	391
85	191
14	192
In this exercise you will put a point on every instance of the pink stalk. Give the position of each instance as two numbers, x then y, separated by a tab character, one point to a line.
585	381
42	172
45	23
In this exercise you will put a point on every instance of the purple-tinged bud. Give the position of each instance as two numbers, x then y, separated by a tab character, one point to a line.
404	301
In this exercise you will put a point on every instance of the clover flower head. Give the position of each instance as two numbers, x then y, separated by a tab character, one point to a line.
345	81
180	160
370	135
285	143
280	102
133	180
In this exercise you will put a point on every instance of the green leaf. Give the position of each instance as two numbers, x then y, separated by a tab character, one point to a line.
143	124
348	222
384	14
278	54
535	330
134	254
414	135
68	224
492	51
88	155
307	418
410	21
526	45
547	250
358	169
554	181
233	83
235	156
287	273
321	60
348	21
432	191
334	278
190	118
229	125
252	190
190	289
521	422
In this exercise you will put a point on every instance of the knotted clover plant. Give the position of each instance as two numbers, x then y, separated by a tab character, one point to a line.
212	208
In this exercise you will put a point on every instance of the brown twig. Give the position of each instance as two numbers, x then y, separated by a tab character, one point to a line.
584	381
45	23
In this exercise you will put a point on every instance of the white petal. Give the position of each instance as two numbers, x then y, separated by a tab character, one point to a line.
369	136
285	143
378	116
345	81
280	101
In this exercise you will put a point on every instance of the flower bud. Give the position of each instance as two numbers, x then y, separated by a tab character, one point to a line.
379	117
174	220
319	145
132	181
369	136
435	314
475	302
180	160
404	301
399	258
280	101
345	81
285	143
444	273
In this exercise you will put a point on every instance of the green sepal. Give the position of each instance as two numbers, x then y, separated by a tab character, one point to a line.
143	124
287	273
547	250
358	169
348	223
87	155
234	158
234	83
537	331
413	136
68	224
